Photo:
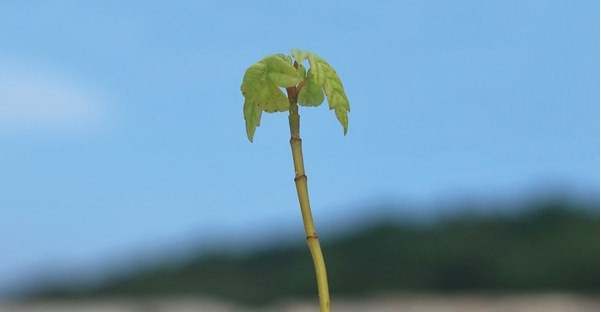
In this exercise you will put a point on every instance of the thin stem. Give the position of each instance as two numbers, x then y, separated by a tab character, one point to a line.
300	179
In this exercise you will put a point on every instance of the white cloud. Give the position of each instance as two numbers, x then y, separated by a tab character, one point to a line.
35	98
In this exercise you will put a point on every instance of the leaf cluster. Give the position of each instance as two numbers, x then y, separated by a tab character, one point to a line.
263	82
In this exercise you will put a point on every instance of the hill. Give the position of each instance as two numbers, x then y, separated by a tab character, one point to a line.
553	248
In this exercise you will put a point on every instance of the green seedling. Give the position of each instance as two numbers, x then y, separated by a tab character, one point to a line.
262	88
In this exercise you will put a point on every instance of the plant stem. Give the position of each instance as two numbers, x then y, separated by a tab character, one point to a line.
300	179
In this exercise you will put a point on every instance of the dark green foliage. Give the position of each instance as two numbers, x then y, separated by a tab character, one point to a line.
551	249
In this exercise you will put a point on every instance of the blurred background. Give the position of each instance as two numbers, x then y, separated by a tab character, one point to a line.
471	165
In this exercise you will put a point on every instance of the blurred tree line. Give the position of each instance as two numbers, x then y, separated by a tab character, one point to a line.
552	248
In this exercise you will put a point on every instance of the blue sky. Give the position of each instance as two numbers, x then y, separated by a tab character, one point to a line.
121	125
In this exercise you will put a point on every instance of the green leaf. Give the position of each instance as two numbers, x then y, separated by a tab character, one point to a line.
310	93
327	78
254	77
299	55
261	88
271	99
301	70
280	71
252	117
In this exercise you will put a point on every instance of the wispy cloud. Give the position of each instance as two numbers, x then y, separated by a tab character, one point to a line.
36	98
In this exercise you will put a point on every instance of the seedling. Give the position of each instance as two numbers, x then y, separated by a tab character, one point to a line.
262	90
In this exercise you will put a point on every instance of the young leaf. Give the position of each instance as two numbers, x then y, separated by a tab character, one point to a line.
299	55
280	71
327	78
252	117
261	88
271	99
310	93
254	77
301	70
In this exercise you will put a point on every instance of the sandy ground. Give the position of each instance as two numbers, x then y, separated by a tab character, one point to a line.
405	303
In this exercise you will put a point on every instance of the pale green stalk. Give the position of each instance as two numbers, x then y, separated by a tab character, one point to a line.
300	179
